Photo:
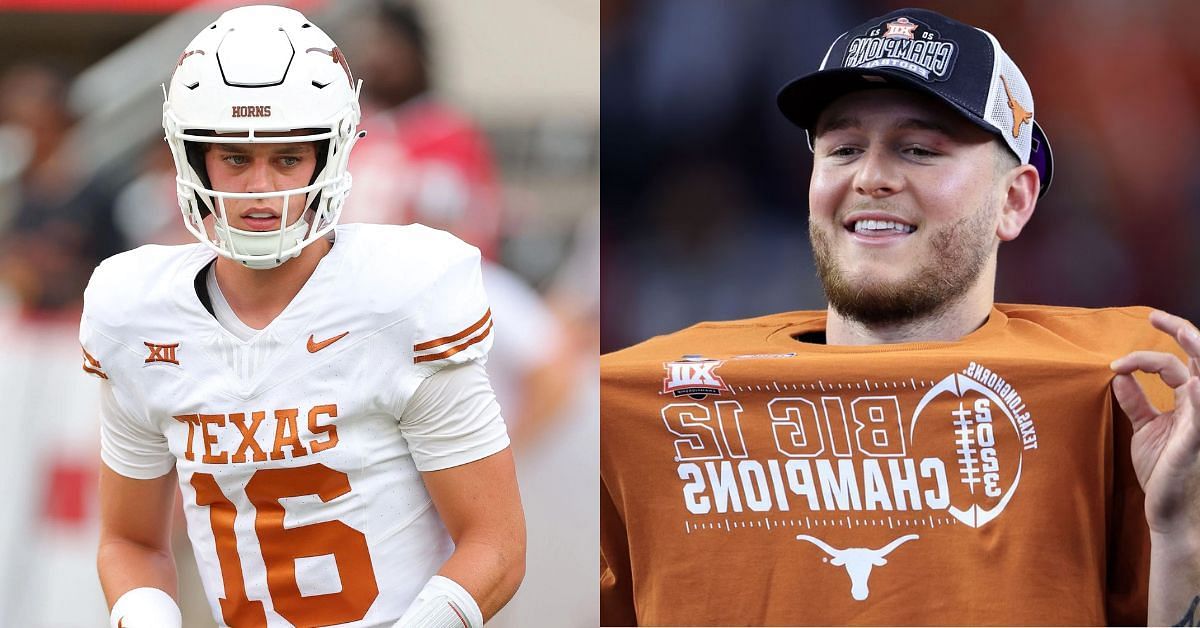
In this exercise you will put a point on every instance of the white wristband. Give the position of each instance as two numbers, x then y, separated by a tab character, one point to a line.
145	608
443	603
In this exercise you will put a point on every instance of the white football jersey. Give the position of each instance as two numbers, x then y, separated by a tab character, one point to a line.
301	483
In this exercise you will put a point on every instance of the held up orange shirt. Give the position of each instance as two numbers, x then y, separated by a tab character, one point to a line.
750	478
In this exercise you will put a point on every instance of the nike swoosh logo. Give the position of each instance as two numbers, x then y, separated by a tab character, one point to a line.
314	346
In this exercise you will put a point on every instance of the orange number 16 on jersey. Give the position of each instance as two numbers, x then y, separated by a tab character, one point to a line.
282	546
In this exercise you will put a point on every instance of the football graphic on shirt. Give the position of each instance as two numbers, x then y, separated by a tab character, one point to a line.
967	423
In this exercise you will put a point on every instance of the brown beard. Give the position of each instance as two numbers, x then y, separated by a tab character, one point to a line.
959	252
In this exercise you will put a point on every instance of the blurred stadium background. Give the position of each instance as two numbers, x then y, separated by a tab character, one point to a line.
705	192
504	148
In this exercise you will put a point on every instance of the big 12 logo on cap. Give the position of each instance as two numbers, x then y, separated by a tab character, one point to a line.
694	376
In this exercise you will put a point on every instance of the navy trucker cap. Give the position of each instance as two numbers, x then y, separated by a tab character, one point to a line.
918	49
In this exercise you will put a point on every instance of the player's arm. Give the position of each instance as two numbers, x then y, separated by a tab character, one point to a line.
135	552
481	507
458	440
137	479
1166	458
137	571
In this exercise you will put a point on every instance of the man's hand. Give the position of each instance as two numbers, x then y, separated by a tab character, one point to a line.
1166	444
1166	457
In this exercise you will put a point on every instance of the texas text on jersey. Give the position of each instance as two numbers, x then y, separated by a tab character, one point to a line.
305	503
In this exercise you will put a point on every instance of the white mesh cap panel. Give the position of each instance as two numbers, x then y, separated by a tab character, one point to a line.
1007	81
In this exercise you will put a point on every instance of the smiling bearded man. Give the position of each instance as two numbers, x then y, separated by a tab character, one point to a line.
916	453
962	253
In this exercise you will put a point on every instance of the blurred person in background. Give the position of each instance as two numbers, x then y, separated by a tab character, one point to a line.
425	161
137	208
556	459
54	228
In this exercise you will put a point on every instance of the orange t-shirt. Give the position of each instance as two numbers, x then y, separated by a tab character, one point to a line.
751	478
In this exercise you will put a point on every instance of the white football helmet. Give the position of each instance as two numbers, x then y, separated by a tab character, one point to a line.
255	70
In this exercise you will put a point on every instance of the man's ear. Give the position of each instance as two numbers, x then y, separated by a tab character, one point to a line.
1021	186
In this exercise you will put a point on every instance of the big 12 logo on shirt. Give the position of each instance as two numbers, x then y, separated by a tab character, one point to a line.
694	376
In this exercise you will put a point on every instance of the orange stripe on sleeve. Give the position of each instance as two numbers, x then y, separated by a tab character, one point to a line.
459	336
455	349
97	373
92	365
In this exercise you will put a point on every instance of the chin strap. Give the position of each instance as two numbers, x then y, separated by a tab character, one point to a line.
259	243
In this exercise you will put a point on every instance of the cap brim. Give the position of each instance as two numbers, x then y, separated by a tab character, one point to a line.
803	99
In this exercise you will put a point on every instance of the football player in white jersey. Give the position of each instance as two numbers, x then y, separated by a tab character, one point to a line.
316	391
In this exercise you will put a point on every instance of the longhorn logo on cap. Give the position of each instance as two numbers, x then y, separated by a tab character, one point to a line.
1020	115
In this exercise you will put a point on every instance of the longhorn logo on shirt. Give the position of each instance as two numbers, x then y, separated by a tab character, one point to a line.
858	561
694	376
